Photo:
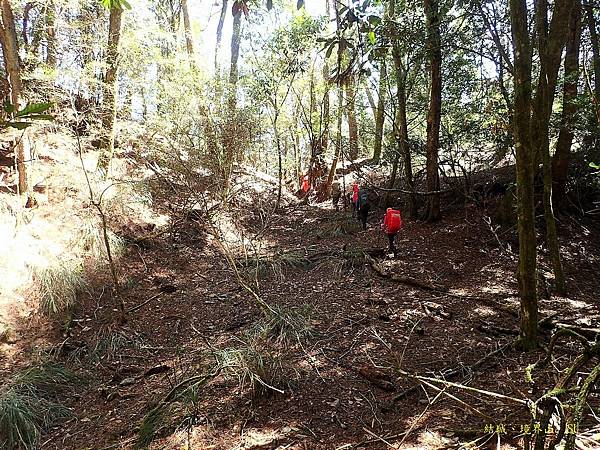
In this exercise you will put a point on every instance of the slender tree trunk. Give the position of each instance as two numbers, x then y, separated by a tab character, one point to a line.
591	22
10	46
109	107
220	36
326	106
401	132
380	115
435	107
235	53
338	145
371	101
351	111
25	23
550	45
187	28
279	159
525	174
562	155
51	34
231	132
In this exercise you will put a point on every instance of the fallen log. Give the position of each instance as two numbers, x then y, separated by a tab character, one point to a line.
409	281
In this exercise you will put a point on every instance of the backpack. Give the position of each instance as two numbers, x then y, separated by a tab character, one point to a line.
363	199
392	221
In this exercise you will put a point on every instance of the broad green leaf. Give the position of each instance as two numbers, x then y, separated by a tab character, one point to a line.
9	107
372	37
33	108
329	50
111	4
19	125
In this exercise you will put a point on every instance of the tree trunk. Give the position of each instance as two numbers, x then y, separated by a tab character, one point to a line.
352	124
525	174
562	155
550	45
109	107
401	131
231	132
235	53
187	28
51	34
380	115
591	22
220	36
10	47
338	145
435	107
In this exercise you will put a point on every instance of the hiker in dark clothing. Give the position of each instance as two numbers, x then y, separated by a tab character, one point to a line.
363	205
336	194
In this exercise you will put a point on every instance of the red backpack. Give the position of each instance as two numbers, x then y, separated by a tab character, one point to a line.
392	222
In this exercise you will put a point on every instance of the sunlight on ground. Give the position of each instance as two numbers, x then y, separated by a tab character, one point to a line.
54	231
485	311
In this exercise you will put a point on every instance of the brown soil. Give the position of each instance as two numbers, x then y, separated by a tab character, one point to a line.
341	382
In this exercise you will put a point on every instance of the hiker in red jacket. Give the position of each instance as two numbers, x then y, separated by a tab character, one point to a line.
392	222
305	184
355	198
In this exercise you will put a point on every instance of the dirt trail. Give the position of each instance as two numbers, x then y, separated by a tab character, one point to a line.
341	382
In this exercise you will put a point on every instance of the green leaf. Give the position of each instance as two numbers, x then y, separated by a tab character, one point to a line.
115	4
33	108
19	125
9	107
594	166
40	117
372	39
329	50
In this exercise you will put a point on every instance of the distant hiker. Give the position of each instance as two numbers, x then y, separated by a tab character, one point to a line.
336	194
363	205
355	198
392	222
305	184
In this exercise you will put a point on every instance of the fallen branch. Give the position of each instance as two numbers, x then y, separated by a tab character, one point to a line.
144	303
403	279
449	374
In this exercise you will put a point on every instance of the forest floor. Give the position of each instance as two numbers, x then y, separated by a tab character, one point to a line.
341	380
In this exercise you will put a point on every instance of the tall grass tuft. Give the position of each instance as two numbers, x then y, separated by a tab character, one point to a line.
58	285
287	325
29	404
90	240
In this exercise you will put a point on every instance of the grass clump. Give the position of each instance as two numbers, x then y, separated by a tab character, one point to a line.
287	325
256	365
29	404
58	285
91	241
277	264
110	342
341	226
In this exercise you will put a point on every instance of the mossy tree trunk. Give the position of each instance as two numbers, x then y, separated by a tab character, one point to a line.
562	155
109	101
187	28
380	112
432	19
351	112
10	47
551	41
525	174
